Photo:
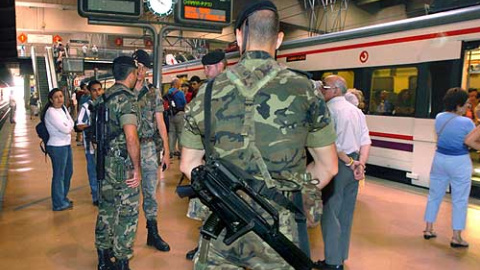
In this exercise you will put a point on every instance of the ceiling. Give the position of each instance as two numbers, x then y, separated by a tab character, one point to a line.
294	14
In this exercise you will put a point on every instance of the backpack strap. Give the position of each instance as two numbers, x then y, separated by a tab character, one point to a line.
259	186
175	92
106	99
248	130
207	139
142	93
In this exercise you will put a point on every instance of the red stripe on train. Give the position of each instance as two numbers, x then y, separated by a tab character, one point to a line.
391	135
389	41
368	44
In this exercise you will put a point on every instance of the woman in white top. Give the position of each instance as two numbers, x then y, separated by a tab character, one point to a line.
60	126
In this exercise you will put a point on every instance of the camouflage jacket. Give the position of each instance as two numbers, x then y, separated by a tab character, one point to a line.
122	110
149	103
287	117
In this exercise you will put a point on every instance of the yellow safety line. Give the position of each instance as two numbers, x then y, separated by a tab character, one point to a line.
4	167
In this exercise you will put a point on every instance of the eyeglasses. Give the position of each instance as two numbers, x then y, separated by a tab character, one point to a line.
327	87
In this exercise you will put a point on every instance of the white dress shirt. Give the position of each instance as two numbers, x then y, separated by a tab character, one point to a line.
350	125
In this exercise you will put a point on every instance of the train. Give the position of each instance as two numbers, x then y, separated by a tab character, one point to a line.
409	64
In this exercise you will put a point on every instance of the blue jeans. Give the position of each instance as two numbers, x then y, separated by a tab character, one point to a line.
61	157
92	175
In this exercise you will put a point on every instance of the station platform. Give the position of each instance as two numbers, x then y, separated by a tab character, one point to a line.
387	227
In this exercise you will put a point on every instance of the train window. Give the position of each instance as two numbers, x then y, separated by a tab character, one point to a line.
393	91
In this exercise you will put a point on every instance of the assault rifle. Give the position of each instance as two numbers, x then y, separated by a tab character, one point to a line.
99	131
98	134
218	184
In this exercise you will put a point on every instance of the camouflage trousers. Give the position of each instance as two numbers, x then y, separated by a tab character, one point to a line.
250	251
197	210
149	165
117	219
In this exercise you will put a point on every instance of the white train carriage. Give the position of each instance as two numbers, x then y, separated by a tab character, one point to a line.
409	64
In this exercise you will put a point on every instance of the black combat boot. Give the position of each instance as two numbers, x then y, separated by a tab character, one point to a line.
122	265
104	259
153	239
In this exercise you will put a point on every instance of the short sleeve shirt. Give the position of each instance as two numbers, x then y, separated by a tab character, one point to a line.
288	117
84	119
452	137
149	103
123	110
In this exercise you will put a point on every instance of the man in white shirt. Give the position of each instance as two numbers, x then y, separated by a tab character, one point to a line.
353	145
83	123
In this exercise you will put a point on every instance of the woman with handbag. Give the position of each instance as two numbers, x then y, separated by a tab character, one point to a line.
452	164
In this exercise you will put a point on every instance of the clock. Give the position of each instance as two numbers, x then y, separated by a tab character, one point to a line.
160	8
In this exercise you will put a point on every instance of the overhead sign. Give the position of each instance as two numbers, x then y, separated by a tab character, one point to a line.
22	38
39	39
204	12
120	9
57	38
78	41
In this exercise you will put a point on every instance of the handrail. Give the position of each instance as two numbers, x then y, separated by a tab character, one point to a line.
4	113
51	74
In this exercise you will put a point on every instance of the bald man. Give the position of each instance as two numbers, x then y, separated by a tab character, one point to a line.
339	196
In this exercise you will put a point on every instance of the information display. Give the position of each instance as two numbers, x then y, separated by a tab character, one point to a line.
73	65
128	9
204	12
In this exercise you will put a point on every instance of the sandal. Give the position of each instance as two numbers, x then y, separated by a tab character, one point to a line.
458	243
429	234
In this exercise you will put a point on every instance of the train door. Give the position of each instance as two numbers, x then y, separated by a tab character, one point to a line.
471	81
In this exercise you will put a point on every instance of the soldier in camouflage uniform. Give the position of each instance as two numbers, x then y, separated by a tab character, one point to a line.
262	114
213	63
119	193
150	105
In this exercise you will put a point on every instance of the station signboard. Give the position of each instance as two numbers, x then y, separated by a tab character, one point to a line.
119	9
204	12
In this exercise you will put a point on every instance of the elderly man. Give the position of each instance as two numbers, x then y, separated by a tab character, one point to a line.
353	145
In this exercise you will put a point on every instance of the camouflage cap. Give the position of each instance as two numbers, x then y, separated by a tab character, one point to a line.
213	58
249	10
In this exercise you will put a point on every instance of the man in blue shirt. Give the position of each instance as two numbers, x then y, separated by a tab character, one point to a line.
176	117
